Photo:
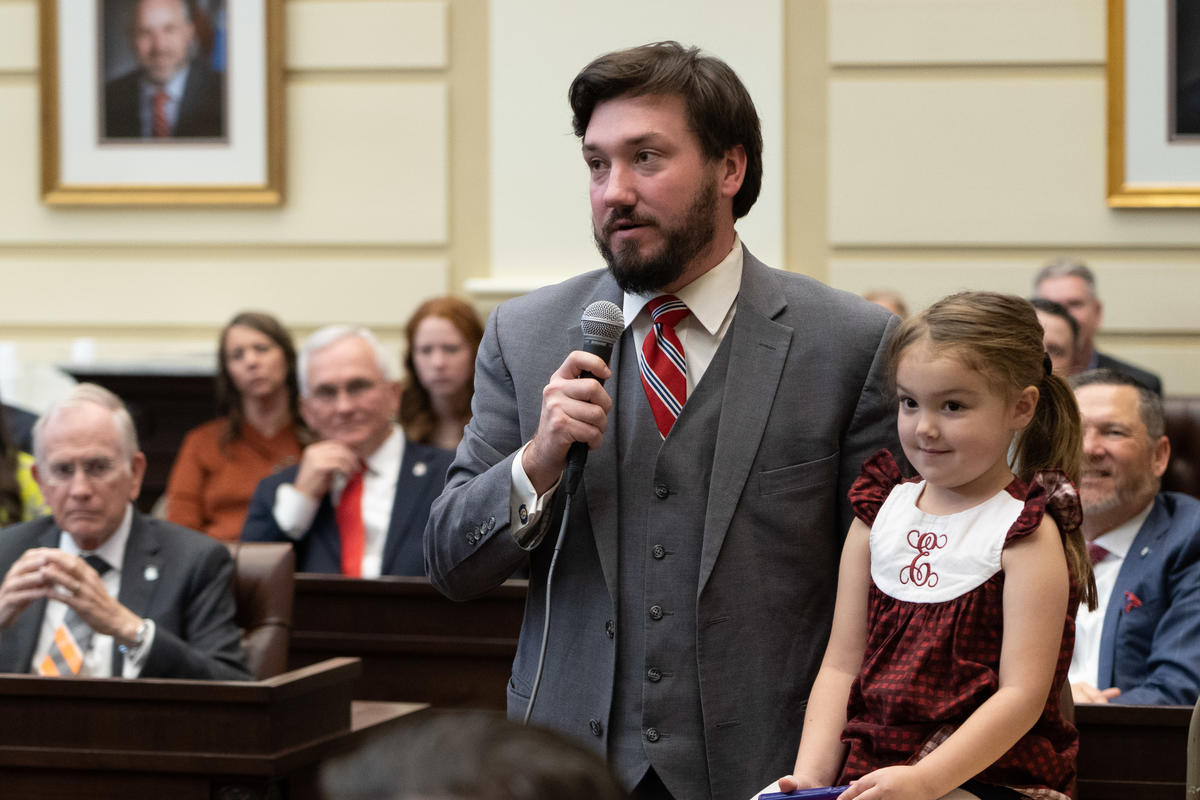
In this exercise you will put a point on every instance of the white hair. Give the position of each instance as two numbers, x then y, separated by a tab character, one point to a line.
331	334
88	394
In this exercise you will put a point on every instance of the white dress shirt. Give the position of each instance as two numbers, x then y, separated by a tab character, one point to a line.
1085	660
174	89
712	301
97	660
294	511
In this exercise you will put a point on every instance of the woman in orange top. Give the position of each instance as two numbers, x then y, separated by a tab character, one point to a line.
258	433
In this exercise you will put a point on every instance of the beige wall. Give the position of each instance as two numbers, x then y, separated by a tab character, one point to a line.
926	145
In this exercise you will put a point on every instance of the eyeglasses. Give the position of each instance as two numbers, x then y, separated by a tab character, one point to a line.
94	469
327	393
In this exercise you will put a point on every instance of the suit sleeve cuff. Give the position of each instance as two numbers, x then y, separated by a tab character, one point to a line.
135	657
525	506
293	511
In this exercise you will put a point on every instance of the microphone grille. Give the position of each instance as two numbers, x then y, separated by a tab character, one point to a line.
603	321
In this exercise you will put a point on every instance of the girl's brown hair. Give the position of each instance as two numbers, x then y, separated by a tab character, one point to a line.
999	337
416	407
229	398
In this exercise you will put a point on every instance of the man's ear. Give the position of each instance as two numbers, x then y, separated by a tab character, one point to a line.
137	468
733	170
1161	456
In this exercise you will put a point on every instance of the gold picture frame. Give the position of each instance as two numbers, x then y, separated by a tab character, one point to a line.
1149	164
91	157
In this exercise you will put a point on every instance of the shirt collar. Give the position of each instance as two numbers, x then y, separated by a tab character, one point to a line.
1120	539
386	458
709	297
113	549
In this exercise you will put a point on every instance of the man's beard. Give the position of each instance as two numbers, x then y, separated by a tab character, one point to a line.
636	274
1125	491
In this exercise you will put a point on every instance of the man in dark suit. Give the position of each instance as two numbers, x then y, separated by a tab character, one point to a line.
170	94
694	590
99	589
1070	283
1142	643
358	500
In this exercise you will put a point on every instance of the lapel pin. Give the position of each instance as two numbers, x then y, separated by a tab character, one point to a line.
1145	552
420	469
151	573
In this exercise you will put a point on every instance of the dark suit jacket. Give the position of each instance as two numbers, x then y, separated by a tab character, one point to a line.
1150	642
804	404
320	549
1147	379
191	600
201	109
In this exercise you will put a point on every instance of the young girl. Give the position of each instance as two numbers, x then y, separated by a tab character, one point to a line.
957	592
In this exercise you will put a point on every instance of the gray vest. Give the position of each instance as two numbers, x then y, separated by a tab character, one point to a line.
662	489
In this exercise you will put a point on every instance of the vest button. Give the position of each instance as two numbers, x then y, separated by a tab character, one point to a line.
652	735
656	612
661	492
659	551
654	675
596	727
610	628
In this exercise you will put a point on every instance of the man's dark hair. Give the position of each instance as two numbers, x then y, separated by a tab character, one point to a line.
1058	310
720	111
1150	405
468	755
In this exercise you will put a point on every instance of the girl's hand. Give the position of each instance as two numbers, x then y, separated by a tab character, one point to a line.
790	783
890	783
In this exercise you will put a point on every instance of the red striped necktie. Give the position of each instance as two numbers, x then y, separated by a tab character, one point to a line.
663	367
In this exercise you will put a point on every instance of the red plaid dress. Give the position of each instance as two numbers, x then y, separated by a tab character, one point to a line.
929	665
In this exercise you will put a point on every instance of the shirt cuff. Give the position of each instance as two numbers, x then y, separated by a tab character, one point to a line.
525	507
293	511
135	657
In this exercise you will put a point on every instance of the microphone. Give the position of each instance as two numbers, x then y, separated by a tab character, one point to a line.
602	323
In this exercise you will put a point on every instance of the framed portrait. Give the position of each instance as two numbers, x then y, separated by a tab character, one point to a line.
164	102
1154	103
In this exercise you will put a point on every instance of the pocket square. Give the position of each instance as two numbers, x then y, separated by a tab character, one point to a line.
1132	601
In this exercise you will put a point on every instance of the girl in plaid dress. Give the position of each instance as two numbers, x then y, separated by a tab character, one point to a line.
957	590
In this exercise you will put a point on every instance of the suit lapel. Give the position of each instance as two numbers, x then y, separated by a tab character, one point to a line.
759	348
28	626
600	476
1132	568
408	486
140	571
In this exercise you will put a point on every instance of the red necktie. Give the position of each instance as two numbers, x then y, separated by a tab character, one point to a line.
1096	553
160	127
350	525
663	368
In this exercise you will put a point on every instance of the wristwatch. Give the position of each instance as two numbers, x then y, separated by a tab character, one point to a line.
139	640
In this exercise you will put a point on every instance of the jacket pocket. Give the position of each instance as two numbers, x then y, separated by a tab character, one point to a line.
798	476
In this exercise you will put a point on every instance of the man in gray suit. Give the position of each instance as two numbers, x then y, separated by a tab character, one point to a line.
694	590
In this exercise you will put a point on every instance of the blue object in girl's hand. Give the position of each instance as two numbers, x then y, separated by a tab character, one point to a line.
825	793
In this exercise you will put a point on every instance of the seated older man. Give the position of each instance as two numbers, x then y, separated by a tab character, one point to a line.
357	502
98	589
1142	643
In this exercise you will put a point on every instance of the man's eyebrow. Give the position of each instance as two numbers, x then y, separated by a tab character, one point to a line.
652	137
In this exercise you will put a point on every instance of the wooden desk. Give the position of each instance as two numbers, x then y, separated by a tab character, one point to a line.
111	739
1132	752
414	643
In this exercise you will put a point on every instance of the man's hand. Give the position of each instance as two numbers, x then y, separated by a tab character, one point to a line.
51	573
573	410
320	462
1086	693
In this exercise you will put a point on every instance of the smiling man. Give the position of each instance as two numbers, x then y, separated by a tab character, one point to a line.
694	590
1142	643
171	94
99	589
357	502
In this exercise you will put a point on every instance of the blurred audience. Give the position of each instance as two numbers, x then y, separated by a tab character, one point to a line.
20	498
1059	333
1141	645
18	423
443	336
1071	283
258	432
889	299
357	502
468	755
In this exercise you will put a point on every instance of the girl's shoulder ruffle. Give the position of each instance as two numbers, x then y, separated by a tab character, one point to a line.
1049	491
880	474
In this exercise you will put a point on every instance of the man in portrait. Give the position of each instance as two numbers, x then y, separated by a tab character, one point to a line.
170	93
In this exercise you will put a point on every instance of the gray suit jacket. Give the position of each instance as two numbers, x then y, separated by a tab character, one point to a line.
804	405
189	599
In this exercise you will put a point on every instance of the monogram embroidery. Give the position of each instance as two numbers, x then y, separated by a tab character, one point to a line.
919	572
